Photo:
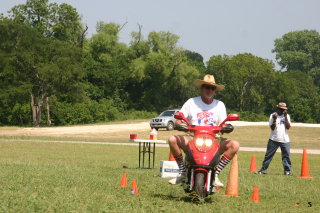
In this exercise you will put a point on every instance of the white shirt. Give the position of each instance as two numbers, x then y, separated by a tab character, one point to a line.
202	114
280	132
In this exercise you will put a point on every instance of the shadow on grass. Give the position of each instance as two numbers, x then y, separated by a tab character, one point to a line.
188	199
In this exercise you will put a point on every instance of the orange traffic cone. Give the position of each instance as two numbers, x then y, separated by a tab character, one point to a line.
255	195
123	182
304	167
217	189
134	187
253	166
171	158
232	185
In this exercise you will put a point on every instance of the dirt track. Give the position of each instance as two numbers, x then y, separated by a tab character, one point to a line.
109	128
75	130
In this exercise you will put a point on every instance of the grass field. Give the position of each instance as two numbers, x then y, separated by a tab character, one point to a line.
248	136
46	177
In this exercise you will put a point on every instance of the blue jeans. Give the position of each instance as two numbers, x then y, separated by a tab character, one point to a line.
271	150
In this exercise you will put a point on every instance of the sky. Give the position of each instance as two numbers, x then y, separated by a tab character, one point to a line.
209	27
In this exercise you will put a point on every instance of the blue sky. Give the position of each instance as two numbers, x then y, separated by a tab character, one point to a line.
208	27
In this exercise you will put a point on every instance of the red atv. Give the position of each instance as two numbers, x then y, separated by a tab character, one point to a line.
202	155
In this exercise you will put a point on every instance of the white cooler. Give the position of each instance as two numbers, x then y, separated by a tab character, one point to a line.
168	169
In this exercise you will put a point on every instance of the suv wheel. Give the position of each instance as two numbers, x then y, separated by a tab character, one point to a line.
170	126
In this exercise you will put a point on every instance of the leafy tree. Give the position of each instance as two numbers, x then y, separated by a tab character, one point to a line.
253	86
138	45
194	56
304	101
300	50
38	67
247	79
107	63
196	59
51	20
163	69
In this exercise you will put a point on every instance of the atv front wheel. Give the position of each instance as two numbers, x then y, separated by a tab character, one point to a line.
200	184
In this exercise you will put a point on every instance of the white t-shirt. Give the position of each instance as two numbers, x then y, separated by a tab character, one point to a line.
202	114
280	132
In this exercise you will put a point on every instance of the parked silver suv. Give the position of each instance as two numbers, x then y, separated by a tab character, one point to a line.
164	120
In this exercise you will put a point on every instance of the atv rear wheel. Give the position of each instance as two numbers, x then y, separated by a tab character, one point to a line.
200	181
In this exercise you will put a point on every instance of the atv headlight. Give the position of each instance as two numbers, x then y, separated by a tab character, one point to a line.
203	144
199	142
208	142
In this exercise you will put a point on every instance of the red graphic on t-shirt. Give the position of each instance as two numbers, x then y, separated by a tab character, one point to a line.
205	118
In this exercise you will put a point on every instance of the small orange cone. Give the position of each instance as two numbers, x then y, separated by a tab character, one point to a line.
123	182
217	189
253	166
134	187
233	179
255	195
171	158
305	167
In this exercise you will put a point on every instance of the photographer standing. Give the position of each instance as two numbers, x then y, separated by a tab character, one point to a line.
279	123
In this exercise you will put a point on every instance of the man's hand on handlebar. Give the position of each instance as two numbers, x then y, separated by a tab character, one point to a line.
180	126
227	128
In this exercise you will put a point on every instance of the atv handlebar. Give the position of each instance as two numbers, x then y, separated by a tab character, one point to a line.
226	129
181	128
223	129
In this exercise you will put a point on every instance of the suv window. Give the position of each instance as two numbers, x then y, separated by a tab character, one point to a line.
167	113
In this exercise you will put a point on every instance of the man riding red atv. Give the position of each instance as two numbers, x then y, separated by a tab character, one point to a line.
202	154
209	114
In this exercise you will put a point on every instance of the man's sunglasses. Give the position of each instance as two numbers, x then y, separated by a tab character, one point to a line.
209	87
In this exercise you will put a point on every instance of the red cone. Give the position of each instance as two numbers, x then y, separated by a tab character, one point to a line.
134	187
123	182
255	195
232	188
253	166
305	167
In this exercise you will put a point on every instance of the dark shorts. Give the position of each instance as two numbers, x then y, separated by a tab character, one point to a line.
221	139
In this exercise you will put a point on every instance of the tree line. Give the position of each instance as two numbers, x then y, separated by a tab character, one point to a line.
52	73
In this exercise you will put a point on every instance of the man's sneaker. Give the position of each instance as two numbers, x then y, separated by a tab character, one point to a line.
287	173
179	179
217	182
261	172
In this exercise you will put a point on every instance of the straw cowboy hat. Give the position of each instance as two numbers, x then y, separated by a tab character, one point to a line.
208	80
282	105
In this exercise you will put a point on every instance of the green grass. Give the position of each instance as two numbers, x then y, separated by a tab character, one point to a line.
46	177
258	136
